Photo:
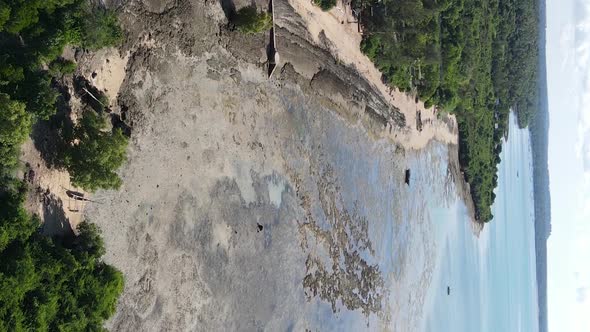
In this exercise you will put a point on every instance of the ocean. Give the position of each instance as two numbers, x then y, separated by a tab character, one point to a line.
491	279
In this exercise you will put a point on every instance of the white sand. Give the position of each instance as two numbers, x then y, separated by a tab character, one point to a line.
346	41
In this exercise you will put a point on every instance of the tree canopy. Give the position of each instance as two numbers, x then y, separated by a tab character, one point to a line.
95	154
48	285
33	35
15	125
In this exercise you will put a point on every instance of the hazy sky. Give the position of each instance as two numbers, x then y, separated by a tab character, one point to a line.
568	66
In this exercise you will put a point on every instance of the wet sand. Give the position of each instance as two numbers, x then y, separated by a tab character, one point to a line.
280	204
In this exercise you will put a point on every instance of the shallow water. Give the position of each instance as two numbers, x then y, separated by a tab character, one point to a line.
423	241
492	278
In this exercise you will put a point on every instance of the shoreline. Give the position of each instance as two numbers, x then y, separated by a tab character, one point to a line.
344	45
331	32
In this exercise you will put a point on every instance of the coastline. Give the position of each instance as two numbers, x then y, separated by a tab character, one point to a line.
463	189
237	182
331	32
331	29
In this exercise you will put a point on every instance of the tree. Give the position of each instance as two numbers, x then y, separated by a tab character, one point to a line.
473	61
15	125
89	240
249	20
95	154
40	96
48	286
15	223
4	14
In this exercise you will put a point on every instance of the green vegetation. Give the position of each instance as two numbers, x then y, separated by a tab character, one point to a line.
100	28
33	35
15	125
325	5
50	284
475	59
60	67
95	154
249	20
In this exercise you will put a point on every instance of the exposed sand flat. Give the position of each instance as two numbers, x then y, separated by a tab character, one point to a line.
344	41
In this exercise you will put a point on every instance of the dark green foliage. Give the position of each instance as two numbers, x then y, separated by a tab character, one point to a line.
95	154
100	28
249	20
48	285
10	73
471	58
34	33
39	95
101	103
4	14
15	124
61	66
15	223
45	285
325	5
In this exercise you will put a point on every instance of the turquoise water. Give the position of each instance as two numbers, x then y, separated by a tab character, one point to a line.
491	278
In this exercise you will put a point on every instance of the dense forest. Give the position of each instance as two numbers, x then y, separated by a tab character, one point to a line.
475	59
57	284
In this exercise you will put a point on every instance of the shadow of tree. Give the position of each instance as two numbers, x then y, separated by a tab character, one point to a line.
229	8
55	222
88	92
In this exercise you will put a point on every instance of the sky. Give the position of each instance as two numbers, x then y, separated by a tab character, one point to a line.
568	75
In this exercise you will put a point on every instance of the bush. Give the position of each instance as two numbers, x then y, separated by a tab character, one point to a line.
325	5
15	223
95	154
102	104
249	20
61	66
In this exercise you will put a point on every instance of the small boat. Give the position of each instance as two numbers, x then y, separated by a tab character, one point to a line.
448	290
